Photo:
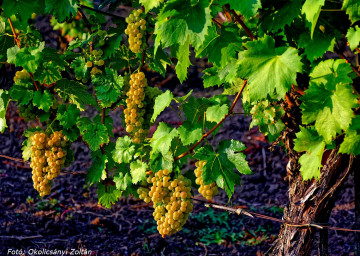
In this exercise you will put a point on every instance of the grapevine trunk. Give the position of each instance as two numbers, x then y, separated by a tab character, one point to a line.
309	202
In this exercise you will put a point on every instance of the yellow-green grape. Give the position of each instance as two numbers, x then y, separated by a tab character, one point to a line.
172	201
47	158
207	191
143	192
21	75
100	63
89	64
134	111
135	30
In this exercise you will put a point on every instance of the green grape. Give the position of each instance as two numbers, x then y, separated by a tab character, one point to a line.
135	30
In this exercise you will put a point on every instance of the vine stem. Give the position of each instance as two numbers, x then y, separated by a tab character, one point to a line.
14	159
16	39
205	135
239	20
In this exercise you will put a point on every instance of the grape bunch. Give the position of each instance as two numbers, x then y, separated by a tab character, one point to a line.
135	29
135	110
172	201
207	191
21	75
48	156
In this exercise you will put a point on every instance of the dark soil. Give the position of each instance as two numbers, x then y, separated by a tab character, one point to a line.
71	219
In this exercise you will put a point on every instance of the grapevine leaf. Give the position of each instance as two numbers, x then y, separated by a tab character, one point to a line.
61	9
216	113
68	115
329	107
22	92
270	70
21	8
211	77
75	92
159	61
220	166
182	53
184	22
183	98
11	54
248	8
29	57
138	171
122	181
351	143
353	36
195	108
95	135
352	8
232	149
312	9
80	68
108	122
4	101
159	161
278	19
108	195
26	149
331	72
190	133
320	43
161	102
6	42
221	48
43	100
108	87
161	140
149	4
97	171
48	73
308	140
124	150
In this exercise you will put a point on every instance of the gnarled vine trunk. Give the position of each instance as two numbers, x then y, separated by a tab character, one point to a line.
309	202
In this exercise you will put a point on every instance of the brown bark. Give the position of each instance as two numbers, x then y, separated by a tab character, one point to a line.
309	202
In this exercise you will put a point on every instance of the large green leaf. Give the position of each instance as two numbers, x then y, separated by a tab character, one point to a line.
312	9
352	8
149	4
309	141
75	92
221	48
329	107
351	143
124	150
248	8
353	36
161	102
62	9
269	70
162	138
